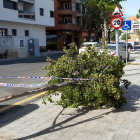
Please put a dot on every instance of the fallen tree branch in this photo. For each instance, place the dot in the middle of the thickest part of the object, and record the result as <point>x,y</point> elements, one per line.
<point>38,90</point>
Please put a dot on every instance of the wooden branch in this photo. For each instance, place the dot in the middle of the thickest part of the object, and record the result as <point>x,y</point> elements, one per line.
<point>38,90</point>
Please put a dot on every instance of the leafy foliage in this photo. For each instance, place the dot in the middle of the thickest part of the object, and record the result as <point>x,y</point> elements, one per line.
<point>105,69</point>
<point>124,36</point>
<point>91,19</point>
<point>106,7</point>
<point>113,35</point>
<point>138,15</point>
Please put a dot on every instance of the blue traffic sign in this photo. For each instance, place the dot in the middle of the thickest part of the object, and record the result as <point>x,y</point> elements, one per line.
<point>126,25</point>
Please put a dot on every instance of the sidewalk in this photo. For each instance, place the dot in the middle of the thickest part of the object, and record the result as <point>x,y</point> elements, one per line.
<point>135,59</point>
<point>37,121</point>
<point>41,54</point>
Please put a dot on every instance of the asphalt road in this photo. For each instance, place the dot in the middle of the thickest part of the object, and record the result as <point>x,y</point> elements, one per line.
<point>31,66</point>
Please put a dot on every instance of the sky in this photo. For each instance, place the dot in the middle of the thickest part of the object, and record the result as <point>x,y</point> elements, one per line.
<point>130,7</point>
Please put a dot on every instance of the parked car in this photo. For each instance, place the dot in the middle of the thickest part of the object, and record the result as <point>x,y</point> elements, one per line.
<point>42,48</point>
<point>129,45</point>
<point>122,51</point>
<point>83,47</point>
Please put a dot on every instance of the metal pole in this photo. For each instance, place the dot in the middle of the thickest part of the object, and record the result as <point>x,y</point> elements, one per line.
<point>117,42</point>
<point>133,41</point>
<point>126,47</point>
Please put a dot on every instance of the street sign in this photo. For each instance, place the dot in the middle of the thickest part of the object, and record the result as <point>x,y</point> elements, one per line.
<point>126,25</point>
<point>116,22</point>
<point>117,12</point>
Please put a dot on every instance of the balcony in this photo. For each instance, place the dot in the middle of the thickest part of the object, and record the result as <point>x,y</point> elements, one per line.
<point>136,26</point>
<point>27,1</point>
<point>62,11</point>
<point>26,14</point>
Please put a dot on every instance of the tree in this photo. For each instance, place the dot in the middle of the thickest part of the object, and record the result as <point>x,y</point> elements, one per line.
<point>138,15</point>
<point>124,37</point>
<point>91,19</point>
<point>113,35</point>
<point>105,71</point>
<point>105,6</point>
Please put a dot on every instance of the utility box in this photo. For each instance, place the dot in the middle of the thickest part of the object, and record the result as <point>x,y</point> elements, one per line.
<point>33,47</point>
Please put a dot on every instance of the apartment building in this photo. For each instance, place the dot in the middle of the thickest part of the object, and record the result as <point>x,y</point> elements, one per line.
<point>135,27</point>
<point>21,20</point>
<point>68,21</point>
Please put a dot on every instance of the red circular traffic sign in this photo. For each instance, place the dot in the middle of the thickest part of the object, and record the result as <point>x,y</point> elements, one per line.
<point>117,22</point>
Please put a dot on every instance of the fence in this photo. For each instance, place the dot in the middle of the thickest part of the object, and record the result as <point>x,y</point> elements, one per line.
<point>9,52</point>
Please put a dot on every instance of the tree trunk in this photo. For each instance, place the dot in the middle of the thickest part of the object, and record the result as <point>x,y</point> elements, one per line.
<point>104,26</point>
<point>89,35</point>
<point>49,87</point>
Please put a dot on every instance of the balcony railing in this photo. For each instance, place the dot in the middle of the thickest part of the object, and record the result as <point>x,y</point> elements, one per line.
<point>135,26</point>
<point>61,8</point>
<point>26,14</point>
<point>65,23</point>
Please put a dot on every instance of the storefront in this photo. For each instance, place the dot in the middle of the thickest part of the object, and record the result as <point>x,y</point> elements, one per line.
<point>85,36</point>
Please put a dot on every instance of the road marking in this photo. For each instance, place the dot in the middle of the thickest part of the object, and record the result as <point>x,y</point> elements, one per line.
<point>20,102</point>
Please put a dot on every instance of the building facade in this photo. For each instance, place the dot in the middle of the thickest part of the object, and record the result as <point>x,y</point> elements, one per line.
<point>68,21</point>
<point>24,19</point>
<point>135,27</point>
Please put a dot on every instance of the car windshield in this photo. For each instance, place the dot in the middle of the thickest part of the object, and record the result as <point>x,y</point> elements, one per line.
<point>111,47</point>
<point>86,44</point>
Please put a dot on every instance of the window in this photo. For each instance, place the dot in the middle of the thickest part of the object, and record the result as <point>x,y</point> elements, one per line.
<point>41,11</point>
<point>14,32</point>
<point>73,6</point>
<point>51,14</point>
<point>10,4</point>
<point>74,21</point>
<point>67,20</point>
<point>21,43</point>
<point>66,5</point>
<point>3,32</point>
<point>26,32</point>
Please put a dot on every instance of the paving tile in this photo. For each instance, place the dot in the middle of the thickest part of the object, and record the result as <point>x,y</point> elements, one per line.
<point>93,136</point>
<point>107,135</point>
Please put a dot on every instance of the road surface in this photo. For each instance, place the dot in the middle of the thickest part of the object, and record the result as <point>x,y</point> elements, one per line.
<point>22,67</point>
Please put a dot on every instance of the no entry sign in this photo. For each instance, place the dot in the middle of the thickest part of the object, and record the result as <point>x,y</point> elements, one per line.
<point>116,22</point>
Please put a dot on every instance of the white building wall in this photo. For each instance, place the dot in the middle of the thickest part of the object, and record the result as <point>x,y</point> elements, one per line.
<point>12,15</point>
<point>47,5</point>
<point>35,31</point>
